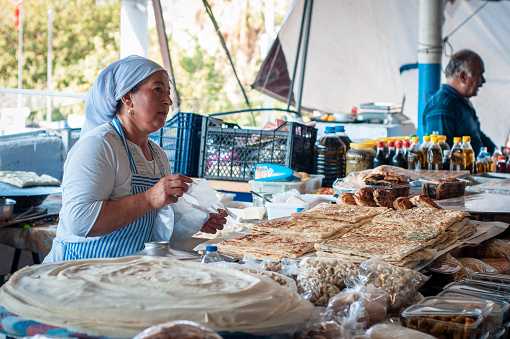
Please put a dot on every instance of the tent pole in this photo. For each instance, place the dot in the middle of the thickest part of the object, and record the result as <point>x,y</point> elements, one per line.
<point>305,53</point>
<point>294,71</point>
<point>429,54</point>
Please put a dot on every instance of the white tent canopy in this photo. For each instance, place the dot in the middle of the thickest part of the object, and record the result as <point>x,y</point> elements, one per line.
<point>357,47</point>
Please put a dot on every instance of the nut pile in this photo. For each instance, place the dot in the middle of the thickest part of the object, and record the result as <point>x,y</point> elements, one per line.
<point>322,278</point>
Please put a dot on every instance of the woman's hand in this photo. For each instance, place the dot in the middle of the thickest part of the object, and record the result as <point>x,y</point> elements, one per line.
<point>168,190</point>
<point>215,222</point>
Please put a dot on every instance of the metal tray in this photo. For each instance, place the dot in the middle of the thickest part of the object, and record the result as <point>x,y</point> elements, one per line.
<point>29,196</point>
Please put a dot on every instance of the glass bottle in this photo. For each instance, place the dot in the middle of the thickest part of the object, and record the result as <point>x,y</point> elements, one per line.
<point>434,155</point>
<point>391,153</point>
<point>425,146</point>
<point>446,160</point>
<point>415,155</point>
<point>211,255</point>
<point>330,157</point>
<point>379,154</point>
<point>457,156</point>
<point>399,159</point>
<point>488,158</point>
<point>340,132</point>
<point>406,147</point>
<point>501,164</point>
<point>481,164</point>
<point>495,156</point>
<point>442,143</point>
<point>469,154</point>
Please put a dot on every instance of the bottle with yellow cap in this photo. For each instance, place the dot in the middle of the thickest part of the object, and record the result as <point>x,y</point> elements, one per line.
<point>415,155</point>
<point>457,156</point>
<point>469,154</point>
<point>434,155</point>
<point>425,146</point>
<point>442,143</point>
<point>359,157</point>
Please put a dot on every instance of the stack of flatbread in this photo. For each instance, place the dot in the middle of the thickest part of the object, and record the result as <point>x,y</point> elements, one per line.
<point>277,239</point>
<point>403,237</point>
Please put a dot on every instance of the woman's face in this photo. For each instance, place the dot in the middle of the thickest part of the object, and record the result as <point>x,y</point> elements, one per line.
<point>151,103</point>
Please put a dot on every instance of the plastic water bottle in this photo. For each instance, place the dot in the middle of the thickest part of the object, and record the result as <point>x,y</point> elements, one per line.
<point>211,255</point>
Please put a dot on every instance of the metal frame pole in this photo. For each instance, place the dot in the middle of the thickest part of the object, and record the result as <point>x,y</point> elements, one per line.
<point>305,53</point>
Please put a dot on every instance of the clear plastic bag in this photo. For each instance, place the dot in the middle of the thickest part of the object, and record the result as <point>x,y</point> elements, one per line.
<point>476,265</point>
<point>385,331</point>
<point>492,248</point>
<point>364,305</point>
<point>319,278</point>
<point>401,284</point>
<point>254,268</point>
<point>181,329</point>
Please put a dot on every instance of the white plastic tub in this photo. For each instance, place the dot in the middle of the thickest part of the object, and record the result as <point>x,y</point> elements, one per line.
<point>306,186</point>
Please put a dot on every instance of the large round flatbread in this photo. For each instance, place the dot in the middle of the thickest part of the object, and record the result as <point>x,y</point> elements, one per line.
<point>123,296</point>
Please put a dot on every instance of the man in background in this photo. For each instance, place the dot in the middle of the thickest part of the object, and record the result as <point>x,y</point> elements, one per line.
<point>449,111</point>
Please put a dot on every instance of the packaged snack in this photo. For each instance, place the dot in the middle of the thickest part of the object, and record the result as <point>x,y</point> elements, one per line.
<point>476,265</point>
<point>401,284</point>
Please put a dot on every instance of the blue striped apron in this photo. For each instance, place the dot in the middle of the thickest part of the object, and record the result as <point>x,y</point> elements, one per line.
<point>130,238</point>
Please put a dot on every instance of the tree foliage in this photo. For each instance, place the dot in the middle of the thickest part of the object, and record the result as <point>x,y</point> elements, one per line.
<point>85,38</point>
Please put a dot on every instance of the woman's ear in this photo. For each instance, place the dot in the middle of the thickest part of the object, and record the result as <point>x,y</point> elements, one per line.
<point>127,100</point>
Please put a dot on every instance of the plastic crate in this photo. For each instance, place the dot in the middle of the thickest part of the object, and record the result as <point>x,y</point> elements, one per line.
<point>179,138</point>
<point>231,153</point>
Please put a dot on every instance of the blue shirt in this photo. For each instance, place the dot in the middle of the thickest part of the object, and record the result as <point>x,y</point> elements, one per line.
<point>452,115</point>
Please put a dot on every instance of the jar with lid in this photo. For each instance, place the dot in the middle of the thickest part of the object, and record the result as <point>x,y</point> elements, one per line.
<point>359,157</point>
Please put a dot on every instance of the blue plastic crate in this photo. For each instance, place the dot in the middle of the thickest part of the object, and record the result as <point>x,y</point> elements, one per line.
<point>180,139</point>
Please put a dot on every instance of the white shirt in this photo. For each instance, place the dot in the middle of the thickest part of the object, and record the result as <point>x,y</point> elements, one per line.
<point>97,169</point>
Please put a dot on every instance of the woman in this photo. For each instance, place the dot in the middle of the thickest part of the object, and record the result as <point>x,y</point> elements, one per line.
<point>115,178</point>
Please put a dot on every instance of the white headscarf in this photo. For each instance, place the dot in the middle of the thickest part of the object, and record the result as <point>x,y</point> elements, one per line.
<point>111,85</point>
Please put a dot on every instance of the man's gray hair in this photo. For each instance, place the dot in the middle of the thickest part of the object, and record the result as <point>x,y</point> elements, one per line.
<point>460,61</point>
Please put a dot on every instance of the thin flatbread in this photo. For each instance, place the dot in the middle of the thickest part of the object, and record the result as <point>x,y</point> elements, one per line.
<point>347,213</point>
<point>267,246</point>
<point>442,219</point>
<point>410,261</point>
<point>371,247</point>
<point>305,227</point>
<point>411,232</point>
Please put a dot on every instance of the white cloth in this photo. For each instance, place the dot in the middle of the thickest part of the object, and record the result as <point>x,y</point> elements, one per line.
<point>97,169</point>
<point>111,85</point>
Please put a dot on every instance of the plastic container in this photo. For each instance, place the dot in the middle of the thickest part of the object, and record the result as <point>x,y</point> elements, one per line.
<point>496,317</point>
<point>491,323</point>
<point>499,334</point>
<point>178,138</point>
<point>211,255</point>
<point>494,277</point>
<point>399,160</point>
<point>279,210</point>
<point>359,158</point>
<point>443,190</point>
<point>445,322</point>
<point>478,291</point>
<point>330,157</point>
<point>229,153</point>
<point>490,285</point>
<point>305,186</point>
<point>434,155</point>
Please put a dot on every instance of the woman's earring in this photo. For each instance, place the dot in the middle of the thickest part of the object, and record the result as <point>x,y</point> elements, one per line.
<point>131,112</point>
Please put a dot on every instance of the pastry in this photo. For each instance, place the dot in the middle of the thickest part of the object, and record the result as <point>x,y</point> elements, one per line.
<point>383,198</point>
<point>403,203</point>
<point>365,197</point>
